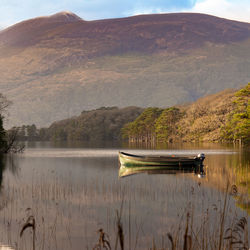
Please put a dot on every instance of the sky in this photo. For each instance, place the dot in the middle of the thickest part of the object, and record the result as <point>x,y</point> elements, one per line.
<point>13,11</point>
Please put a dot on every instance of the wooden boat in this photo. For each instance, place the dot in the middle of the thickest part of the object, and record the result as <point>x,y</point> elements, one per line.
<point>158,161</point>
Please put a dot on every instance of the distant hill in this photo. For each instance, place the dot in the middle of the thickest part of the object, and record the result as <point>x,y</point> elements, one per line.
<point>53,67</point>
<point>102,124</point>
<point>224,116</point>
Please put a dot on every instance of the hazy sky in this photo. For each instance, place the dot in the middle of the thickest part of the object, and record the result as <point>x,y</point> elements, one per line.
<point>13,11</point>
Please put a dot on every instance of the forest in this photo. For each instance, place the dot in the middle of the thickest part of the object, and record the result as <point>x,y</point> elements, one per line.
<point>100,124</point>
<point>221,117</point>
<point>224,116</point>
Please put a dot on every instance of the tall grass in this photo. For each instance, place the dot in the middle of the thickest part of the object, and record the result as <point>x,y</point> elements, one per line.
<point>206,235</point>
<point>66,215</point>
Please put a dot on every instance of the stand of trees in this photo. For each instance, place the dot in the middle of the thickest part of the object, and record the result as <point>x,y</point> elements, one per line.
<point>237,127</point>
<point>223,116</point>
<point>4,103</point>
<point>29,133</point>
<point>101,124</point>
<point>152,125</point>
<point>8,139</point>
<point>2,136</point>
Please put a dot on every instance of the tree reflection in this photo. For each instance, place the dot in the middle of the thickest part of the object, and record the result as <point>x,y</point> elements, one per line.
<point>6,162</point>
<point>2,167</point>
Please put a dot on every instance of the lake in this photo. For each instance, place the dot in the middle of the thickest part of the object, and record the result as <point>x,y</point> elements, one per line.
<point>72,191</point>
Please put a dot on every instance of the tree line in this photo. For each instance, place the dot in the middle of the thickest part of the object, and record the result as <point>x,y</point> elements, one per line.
<point>154,124</point>
<point>220,117</point>
<point>100,124</point>
<point>8,139</point>
<point>237,127</point>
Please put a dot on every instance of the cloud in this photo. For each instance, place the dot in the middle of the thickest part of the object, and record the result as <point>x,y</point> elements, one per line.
<point>231,9</point>
<point>150,7</point>
<point>13,11</point>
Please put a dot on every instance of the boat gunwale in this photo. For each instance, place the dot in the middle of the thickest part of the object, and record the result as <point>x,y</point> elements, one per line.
<point>158,158</point>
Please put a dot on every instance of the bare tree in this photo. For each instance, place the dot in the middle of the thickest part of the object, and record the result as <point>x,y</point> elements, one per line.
<point>12,143</point>
<point>4,104</point>
<point>8,139</point>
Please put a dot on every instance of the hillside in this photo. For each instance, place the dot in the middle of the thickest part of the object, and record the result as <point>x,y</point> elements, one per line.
<point>224,116</point>
<point>102,124</point>
<point>54,67</point>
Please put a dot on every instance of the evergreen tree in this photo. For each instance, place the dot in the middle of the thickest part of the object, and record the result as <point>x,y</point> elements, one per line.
<point>143,127</point>
<point>2,136</point>
<point>238,124</point>
<point>166,125</point>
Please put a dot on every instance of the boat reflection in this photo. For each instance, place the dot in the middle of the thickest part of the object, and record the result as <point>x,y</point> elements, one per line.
<point>6,247</point>
<point>128,171</point>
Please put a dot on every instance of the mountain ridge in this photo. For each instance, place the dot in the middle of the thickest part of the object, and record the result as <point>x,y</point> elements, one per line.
<point>143,29</point>
<point>53,70</point>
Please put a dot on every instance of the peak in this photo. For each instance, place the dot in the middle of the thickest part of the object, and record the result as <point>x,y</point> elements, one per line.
<point>65,16</point>
<point>66,12</point>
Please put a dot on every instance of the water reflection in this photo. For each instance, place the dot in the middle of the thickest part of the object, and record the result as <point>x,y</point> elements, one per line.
<point>2,167</point>
<point>5,247</point>
<point>73,192</point>
<point>8,163</point>
<point>128,171</point>
<point>233,170</point>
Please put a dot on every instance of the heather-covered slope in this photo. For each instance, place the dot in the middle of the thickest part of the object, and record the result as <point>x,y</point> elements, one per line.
<point>224,116</point>
<point>54,67</point>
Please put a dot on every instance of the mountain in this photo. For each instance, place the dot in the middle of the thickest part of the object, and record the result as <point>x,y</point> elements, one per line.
<point>54,67</point>
<point>145,33</point>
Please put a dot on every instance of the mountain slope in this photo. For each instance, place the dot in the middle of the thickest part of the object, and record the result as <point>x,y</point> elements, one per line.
<point>145,33</point>
<point>224,116</point>
<point>54,67</point>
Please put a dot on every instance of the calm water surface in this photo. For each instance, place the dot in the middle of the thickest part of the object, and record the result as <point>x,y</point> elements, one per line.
<point>74,191</point>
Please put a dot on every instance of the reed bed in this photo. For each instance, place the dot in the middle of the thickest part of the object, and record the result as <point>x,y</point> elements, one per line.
<point>142,212</point>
